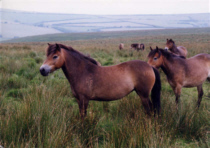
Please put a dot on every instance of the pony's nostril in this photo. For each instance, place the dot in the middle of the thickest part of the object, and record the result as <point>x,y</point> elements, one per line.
<point>45,70</point>
<point>42,70</point>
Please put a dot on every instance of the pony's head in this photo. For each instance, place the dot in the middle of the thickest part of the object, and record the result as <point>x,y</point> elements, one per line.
<point>155,57</point>
<point>55,59</point>
<point>169,44</point>
<point>142,46</point>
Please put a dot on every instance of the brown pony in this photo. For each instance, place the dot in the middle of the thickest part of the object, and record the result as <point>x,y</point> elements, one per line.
<point>137,46</point>
<point>89,81</point>
<point>121,46</point>
<point>180,50</point>
<point>181,72</point>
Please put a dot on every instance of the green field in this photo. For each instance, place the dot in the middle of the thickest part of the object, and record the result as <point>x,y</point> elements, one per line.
<point>37,111</point>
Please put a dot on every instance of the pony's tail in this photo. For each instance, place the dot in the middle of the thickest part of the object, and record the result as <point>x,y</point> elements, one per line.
<point>155,95</point>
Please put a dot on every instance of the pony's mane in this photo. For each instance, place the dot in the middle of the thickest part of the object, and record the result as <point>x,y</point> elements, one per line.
<point>52,49</point>
<point>165,53</point>
<point>168,41</point>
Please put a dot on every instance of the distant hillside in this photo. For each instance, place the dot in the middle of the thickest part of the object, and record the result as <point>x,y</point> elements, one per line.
<point>16,24</point>
<point>110,34</point>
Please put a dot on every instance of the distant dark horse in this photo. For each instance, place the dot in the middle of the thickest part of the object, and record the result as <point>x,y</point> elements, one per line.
<point>137,46</point>
<point>89,81</point>
<point>180,50</point>
<point>181,72</point>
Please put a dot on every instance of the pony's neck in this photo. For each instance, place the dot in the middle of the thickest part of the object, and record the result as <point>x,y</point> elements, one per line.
<point>174,49</point>
<point>74,67</point>
<point>167,67</point>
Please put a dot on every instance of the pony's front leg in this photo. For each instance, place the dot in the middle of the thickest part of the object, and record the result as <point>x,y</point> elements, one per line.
<point>177,91</point>
<point>83,104</point>
<point>200,94</point>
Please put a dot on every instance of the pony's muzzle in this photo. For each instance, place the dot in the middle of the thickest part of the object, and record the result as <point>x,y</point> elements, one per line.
<point>45,70</point>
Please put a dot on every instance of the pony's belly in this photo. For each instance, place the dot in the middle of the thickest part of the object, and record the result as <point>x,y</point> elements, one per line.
<point>114,93</point>
<point>196,78</point>
<point>106,99</point>
<point>112,89</point>
<point>110,96</point>
<point>193,83</point>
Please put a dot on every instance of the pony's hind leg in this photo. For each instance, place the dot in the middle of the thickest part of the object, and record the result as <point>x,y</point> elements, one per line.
<point>200,94</point>
<point>145,102</point>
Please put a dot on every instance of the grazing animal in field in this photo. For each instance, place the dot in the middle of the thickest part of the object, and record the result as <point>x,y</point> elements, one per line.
<point>180,50</point>
<point>89,81</point>
<point>137,46</point>
<point>181,72</point>
<point>121,46</point>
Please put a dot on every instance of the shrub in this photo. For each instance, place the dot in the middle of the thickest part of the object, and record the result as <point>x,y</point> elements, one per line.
<point>25,47</point>
<point>31,62</point>
<point>32,54</point>
<point>16,81</point>
<point>27,73</point>
<point>16,93</point>
<point>38,60</point>
<point>2,68</point>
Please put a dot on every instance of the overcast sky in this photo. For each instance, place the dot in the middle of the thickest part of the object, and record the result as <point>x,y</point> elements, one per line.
<point>110,6</point>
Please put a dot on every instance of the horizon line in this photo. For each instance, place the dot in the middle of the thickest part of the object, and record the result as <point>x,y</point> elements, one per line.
<point>100,14</point>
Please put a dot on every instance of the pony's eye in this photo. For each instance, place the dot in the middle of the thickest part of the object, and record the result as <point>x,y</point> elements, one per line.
<point>155,58</point>
<point>55,57</point>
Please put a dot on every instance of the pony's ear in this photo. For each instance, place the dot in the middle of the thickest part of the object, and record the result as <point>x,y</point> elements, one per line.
<point>58,47</point>
<point>171,41</point>
<point>48,44</point>
<point>157,47</point>
<point>167,39</point>
<point>151,48</point>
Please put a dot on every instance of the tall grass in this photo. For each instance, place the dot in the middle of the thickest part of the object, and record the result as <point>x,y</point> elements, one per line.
<point>41,112</point>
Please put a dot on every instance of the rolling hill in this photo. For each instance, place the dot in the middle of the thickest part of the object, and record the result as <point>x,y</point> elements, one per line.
<point>17,24</point>
<point>110,35</point>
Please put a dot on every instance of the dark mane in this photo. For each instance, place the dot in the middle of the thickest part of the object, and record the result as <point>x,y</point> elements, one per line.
<point>152,53</point>
<point>170,55</point>
<point>165,53</point>
<point>52,49</point>
<point>168,41</point>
